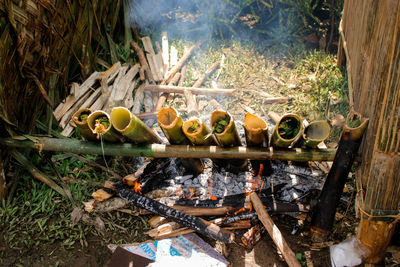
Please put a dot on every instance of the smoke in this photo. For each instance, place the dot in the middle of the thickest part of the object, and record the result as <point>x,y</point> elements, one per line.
<point>199,19</point>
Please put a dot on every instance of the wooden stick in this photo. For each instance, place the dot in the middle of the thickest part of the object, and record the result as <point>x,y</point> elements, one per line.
<point>274,232</point>
<point>143,61</point>
<point>203,211</point>
<point>164,96</point>
<point>193,90</point>
<point>280,99</point>
<point>181,62</point>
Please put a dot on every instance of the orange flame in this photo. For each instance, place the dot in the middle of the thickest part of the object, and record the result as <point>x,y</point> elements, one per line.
<point>210,191</point>
<point>191,193</point>
<point>138,187</point>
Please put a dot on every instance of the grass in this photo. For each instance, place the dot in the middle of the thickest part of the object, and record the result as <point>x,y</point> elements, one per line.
<point>38,217</point>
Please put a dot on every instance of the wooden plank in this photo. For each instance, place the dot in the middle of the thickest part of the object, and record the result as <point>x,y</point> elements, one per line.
<point>193,90</point>
<point>165,52</point>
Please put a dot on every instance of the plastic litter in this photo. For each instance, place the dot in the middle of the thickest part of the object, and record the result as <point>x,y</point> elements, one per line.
<point>348,253</point>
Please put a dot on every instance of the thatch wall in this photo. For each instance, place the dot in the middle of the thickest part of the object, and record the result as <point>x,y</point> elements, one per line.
<point>371,38</point>
<point>44,44</point>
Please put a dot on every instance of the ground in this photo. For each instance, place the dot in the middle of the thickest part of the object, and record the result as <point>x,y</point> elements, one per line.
<point>35,222</point>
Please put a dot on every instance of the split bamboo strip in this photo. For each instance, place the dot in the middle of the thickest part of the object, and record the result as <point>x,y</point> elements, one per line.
<point>165,52</point>
<point>193,90</point>
<point>166,151</point>
<point>133,128</point>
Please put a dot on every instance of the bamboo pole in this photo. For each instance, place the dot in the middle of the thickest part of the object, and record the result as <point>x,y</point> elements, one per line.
<point>166,151</point>
<point>256,131</point>
<point>193,90</point>
<point>80,120</point>
<point>133,128</point>
<point>324,214</point>
<point>274,232</point>
<point>171,124</point>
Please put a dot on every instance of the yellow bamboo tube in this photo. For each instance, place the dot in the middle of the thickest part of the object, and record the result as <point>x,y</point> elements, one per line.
<point>171,124</point>
<point>281,139</point>
<point>132,127</point>
<point>107,132</point>
<point>256,131</point>
<point>315,133</point>
<point>80,120</point>
<point>229,137</point>
<point>198,133</point>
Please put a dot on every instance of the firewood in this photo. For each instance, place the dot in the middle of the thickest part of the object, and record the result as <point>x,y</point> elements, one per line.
<point>238,225</point>
<point>252,236</point>
<point>156,221</point>
<point>108,205</point>
<point>192,222</point>
<point>271,100</point>
<point>101,195</point>
<point>163,229</point>
<point>203,211</point>
<point>274,232</point>
<point>143,61</point>
<point>130,179</point>
<point>193,90</point>
<point>181,62</point>
<point>137,103</point>
<point>163,97</point>
<point>151,59</point>
<point>67,103</point>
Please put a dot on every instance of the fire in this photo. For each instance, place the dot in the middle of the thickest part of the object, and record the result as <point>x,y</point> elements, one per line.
<point>138,187</point>
<point>191,193</point>
<point>255,182</point>
<point>210,191</point>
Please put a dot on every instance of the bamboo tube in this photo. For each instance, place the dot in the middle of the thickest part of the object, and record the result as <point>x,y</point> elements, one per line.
<point>279,139</point>
<point>324,212</point>
<point>229,137</point>
<point>198,133</point>
<point>82,124</point>
<point>315,133</point>
<point>107,132</point>
<point>171,124</point>
<point>133,128</point>
<point>256,131</point>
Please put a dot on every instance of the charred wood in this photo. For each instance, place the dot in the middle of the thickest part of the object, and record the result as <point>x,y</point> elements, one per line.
<point>192,222</point>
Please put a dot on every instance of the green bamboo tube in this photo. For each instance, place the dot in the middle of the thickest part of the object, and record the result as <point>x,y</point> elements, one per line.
<point>229,137</point>
<point>171,124</point>
<point>278,139</point>
<point>132,127</point>
<point>109,134</point>
<point>82,124</point>
<point>198,133</point>
<point>256,131</point>
<point>315,133</point>
<point>166,151</point>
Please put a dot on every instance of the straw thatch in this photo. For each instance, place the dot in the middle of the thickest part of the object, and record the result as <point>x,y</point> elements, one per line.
<point>45,44</point>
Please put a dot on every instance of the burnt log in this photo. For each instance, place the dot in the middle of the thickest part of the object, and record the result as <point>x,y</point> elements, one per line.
<point>192,222</point>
